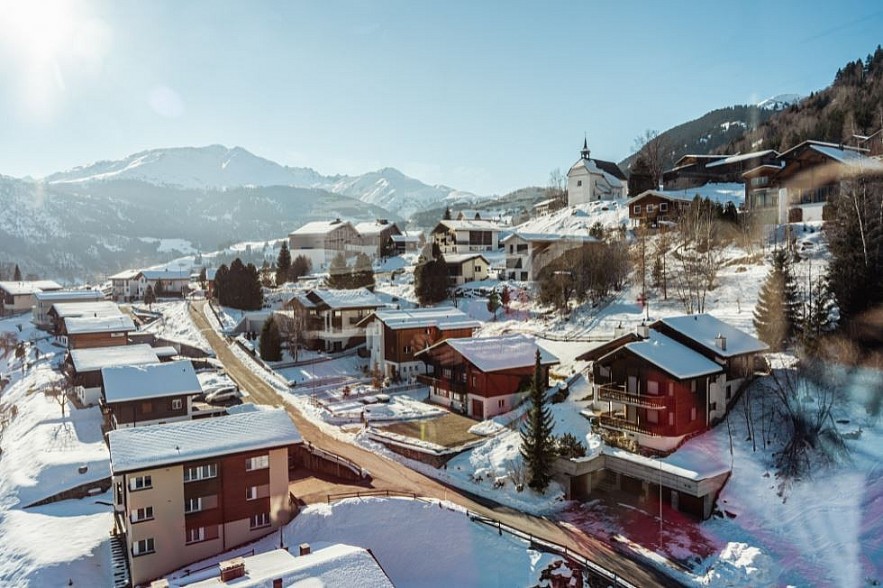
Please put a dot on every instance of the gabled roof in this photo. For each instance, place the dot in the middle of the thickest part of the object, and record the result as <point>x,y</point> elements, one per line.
<point>461,258</point>
<point>767,167</point>
<point>320,227</point>
<point>89,308</point>
<point>493,354</point>
<point>68,295</point>
<point>29,287</point>
<point>548,237</point>
<point>412,318</point>
<point>704,328</point>
<point>140,448</point>
<point>608,169</point>
<point>94,358</point>
<point>125,275</point>
<point>165,274</point>
<point>405,238</point>
<point>670,356</point>
<point>611,168</point>
<point>374,227</point>
<point>79,325</point>
<point>338,299</point>
<point>658,194</point>
<point>741,157</point>
<point>155,380</point>
<point>468,225</point>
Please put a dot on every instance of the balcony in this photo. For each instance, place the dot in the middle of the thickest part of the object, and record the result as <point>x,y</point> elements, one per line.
<point>442,383</point>
<point>618,394</point>
<point>620,424</point>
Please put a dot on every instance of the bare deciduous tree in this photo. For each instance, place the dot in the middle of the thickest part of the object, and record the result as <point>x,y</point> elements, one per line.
<point>654,149</point>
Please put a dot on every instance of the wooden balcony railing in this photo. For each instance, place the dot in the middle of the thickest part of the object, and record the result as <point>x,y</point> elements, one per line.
<point>618,394</point>
<point>618,424</point>
<point>443,383</point>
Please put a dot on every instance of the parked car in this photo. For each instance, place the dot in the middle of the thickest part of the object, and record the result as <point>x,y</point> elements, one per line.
<point>222,394</point>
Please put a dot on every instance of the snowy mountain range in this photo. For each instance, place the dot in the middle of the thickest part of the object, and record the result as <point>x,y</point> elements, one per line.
<point>779,102</point>
<point>217,167</point>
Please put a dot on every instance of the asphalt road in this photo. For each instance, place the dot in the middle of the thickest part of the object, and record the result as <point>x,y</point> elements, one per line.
<point>394,476</point>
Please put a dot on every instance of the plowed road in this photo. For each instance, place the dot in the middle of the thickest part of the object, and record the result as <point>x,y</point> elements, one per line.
<point>392,475</point>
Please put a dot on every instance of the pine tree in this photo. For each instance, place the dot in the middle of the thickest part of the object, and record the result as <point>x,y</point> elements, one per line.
<point>339,274</point>
<point>202,278</point>
<point>505,298</point>
<point>776,315</point>
<point>301,266</point>
<point>16,276</point>
<point>537,441</point>
<point>640,177</point>
<point>447,215</point>
<point>149,296</point>
<point>362,273</point>
<point>817,313</point>
<point>221,287</point>
<point>283,264</point>
<point>431,281</point>
<point>493,303</point>
<point>271,341</point>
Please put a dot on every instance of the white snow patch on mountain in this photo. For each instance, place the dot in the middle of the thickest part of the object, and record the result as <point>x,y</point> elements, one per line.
<point>779,102</point>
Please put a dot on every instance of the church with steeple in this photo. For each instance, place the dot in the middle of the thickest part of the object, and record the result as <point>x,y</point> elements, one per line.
<point>590,180</point>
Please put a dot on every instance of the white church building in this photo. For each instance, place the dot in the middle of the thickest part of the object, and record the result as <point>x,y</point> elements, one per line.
<point>590,180</point>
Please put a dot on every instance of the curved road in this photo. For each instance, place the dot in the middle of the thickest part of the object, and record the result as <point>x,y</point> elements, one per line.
<point>394,476</point>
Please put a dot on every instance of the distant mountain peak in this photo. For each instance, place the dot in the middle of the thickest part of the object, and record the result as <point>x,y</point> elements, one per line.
<point>779,102</point>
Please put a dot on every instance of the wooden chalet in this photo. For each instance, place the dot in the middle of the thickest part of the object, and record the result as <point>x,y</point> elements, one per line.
<point>466,267</point>
<point>83,366</point>
<point>102,331</point>
<point>482,378</point>
<point>652,207</point>
<point>330,319</point>
<point>148,394</point>
<point>466,236</point>
<point>693,171</point>
<point>19,296</point>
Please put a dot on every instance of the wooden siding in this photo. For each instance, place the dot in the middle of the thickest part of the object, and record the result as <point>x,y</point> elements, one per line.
<point>133,412</point>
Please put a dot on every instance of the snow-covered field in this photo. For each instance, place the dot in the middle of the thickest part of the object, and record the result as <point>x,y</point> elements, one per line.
<point>176,324</point>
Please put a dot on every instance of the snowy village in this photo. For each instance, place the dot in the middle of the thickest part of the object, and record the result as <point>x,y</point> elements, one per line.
<point>659,372</point>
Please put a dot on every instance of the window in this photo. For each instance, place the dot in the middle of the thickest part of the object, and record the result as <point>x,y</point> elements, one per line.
<point>729,392</point>
<point>501,403</point>
<point>579,182</point>
<point>202,472</point>
<point>663,207</point>
<point>146,407</point>
<point>193,505</point>
<point>260,520</point>
<point>257,463</point>
<point>140,483</point>
<point>196,535</point>
<point>141,514</point>
<point>713,406</point>
<point>692,414</point>
<point>636,209</point>
<point>177,403</point>
<point>651,208</point>
<point>652,416</point>
<point>255,492</point>
<point>406,349</point>
<point>671,419</point>
<point>477,269</point>
<point>143,547</point>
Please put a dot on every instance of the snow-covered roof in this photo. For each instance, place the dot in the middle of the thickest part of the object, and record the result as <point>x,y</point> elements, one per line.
<point>165,351</point>
<point>411,318</point>
<point>592,166</point>
<point>333,565</point>
<point>740,157</point>
<point>88,308</point>
<point>549,237</point>
<point>848,157</point>
<point>94,358</point>
<point>78,325</point>
<point>659,194</point>
<point>319,227</point>
<point>492,354</point>
<point>165,274</point>
<point>140,448</point>
<point>704,329</point>
<point>695,470</point>
<point>30,287</point>
<point>405,238</point>
<point>339,299</point>
<point>715,191</point>
<point>459,258</point>
<point>155,380</point>
<point>125,275</point>
<point>543,203</point>
<point>469,225</point>
<point>69,295</point>
<point>670,356</point>
<point>372,227</point>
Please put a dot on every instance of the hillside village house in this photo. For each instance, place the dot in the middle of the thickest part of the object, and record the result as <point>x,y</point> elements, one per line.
<point>677,380</point>
<point>92,331</point>
<point>484,377</point>
<point>83,366</point>
<point>19,296</point>
<point>375,236</point>
<point>693,171</point>
<point>189,490</point>
<point>466,236</point>
<point>404,243</point>
<point>148,394</point>
<point>164,282</point>
<point>395,336</point>
<point>466,267</point>
<point>125,286</point>
<point>652,207</point>
<point>589,180</point>
<point>330,319</point>
<point>60,311</point>
<point>321,241</point>
<point>528,253</point>
<point>43,302</point>
<point>796,187</point>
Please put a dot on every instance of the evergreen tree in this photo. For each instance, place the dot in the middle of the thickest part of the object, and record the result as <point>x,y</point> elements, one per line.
<point>447,215</point>
<point>493,303</point>
<point>505,298</point>
<point>240,286</point>
<point>362,273</point>
<point>271,341</point>
<point>221,286</point>
<point>301,266</point>
<point>776,315</point>
<point>16,277</point>
<point>149,296</point>
<point>202,278</point>
<point>339,274</point>
<point>431,280</point>
<point>640,177</point>
<point>817,313</point>
<point>537,442</point>
<point>283,264</point>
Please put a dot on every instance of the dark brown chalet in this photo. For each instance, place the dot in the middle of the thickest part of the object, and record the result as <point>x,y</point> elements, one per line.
<point>149,394</point>
<point>693,171</point>
<point>83,366</point>
<point>483,377</point>
<point>395,336</point>
<point>652,207</point>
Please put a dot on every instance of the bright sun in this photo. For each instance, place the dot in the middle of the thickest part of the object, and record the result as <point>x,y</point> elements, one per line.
<point>39,30</point>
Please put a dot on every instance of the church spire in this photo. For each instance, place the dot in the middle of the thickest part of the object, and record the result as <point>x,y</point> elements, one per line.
<point>585,151</point>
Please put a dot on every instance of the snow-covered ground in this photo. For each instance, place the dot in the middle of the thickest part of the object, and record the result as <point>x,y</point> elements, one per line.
<point>176,324</point>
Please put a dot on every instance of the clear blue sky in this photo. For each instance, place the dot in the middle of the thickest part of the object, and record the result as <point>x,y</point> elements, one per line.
<point>479,95</point>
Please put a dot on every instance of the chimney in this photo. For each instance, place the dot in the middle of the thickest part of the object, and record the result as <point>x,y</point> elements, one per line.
<point>232,569</point>
<point>643,330</point>
<point>619,331</point>
<point>304,549</point>
<point>721,342</point>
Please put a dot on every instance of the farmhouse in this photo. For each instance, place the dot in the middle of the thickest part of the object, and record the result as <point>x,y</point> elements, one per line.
<point>149,394</point>
<point>330,319</point>
<point>189,490</point>
<point>483,377</point>
<point>395,336</point>
<point>19,296</point>
<point>652,207</point>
